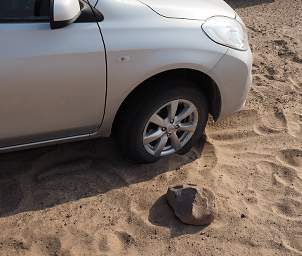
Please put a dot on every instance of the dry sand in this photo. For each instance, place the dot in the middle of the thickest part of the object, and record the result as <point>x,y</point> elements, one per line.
<point>83,199</point>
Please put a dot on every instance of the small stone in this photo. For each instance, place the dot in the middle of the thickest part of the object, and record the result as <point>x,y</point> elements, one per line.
<point>243,216</point>
<point>191,204</point>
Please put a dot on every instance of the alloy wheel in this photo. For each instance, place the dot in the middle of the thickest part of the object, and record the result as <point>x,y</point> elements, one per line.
<point>170,128</point>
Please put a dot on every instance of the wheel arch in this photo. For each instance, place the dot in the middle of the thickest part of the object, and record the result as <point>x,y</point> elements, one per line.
<point>202,81</point>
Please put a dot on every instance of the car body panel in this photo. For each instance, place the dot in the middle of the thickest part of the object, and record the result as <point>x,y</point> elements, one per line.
<point>190,9</point>
<point>53,82</point>
<point>70,85</point>
<point>233,75</point>
<point>139,50</point>
<point>93,2</point>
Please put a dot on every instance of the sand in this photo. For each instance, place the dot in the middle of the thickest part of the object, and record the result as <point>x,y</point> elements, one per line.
<point>84,199</point>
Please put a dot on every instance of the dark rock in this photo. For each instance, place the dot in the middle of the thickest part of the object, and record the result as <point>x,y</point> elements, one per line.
<point>191,204</point>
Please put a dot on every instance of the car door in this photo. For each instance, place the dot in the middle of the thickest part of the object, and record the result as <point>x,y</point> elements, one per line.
<point>52,82</point>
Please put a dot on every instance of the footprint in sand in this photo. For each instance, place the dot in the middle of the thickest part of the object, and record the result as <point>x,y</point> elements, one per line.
<point>286,176</point>
<point>282,176</point>
<point>292,158</point>
<point>293,243</point>
<point>271,123</point>
<point>281,189</point>
<point>48,245</point>
<point>60,162</point>
<point>120,243</point>
<point>288,208</point>
<point>12,246</point>
<point>67,242</point>
<point>294,124</point>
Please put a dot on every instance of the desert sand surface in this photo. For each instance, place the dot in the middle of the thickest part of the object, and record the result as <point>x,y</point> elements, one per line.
<point>84,199</point>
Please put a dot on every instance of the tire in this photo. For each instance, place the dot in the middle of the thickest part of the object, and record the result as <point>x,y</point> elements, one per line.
<point>133,123</point>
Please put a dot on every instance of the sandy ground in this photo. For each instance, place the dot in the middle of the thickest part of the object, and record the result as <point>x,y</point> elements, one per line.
<point>83,199</point>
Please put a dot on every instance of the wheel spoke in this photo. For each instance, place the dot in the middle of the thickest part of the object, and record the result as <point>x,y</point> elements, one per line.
<point>162,143</point>
<point>156,119</point>
<point>188,127</point>
<point>185,113</point>
<point>175,141</point>
<point>153,136</point>
<point>172,109</point>
<point>170,127</point>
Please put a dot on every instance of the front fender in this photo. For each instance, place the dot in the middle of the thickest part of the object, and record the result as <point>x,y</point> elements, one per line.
<point>138,50</point>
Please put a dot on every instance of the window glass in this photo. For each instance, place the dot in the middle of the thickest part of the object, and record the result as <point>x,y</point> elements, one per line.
<point>24,9</point>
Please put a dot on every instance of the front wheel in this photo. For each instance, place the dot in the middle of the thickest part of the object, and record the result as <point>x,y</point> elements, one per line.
<point>164,121</point>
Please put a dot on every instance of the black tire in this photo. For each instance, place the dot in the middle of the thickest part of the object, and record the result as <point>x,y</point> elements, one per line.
<point>132,121</point>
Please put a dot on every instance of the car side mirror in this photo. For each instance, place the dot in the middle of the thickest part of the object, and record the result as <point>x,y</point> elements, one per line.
<point>63,12</point>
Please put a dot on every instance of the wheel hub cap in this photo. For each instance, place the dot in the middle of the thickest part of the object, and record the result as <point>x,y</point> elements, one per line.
<point>170,127</point>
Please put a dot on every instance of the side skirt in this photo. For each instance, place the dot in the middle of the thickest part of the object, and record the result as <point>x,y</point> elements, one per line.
<point>48,142</point>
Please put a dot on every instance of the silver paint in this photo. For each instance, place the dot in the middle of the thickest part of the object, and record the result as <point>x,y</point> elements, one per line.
<point>54,82</point>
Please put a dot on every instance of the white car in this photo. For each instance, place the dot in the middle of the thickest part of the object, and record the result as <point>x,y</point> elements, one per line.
<point>148,72</point>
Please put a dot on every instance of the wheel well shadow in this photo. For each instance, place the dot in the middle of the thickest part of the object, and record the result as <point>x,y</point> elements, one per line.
<point>201,80</point>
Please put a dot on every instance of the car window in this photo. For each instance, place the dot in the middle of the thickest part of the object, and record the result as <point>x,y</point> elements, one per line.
<point>24,10</point>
